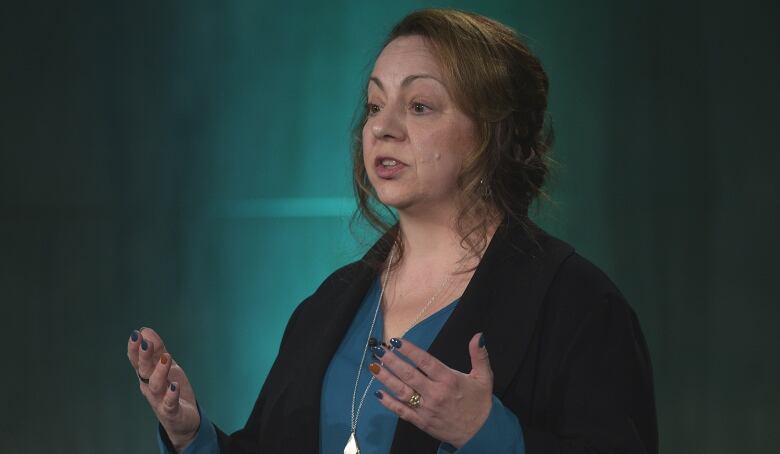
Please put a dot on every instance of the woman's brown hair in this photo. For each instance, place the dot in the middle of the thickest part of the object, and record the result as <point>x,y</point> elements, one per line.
<point>499,83</point>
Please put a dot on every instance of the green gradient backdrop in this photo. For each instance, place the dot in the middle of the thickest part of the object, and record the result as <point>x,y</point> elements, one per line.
<point>185,166</point>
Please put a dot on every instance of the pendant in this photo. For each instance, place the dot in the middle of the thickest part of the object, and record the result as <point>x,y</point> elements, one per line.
<point>352,447</point>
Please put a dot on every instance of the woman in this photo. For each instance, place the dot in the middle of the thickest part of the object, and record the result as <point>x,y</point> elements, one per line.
<point>453,139</point>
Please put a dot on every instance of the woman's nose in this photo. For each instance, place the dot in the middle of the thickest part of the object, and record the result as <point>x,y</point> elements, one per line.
<point>387,125</point>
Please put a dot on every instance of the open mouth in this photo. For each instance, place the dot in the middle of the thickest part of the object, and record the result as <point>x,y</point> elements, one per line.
<point>388,163</point>
<point>388,167</point>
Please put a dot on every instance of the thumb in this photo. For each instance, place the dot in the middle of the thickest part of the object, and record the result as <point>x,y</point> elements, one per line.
<point>170,402</point>
<point>480,362</point>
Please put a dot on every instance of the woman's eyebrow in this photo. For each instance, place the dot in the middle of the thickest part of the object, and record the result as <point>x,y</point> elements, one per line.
<point>407,80</point>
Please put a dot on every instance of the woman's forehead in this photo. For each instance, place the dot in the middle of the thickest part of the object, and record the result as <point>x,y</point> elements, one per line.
<point>405,56</point>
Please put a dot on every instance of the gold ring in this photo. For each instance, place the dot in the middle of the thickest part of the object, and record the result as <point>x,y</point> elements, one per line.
<point>415,401</point>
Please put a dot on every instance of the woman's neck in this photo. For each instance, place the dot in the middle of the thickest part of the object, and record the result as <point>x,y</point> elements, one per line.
<point>434,239</point>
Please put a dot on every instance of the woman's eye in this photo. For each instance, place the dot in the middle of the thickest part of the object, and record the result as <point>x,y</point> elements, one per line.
<point>419,108</point>
<point>371,109</point>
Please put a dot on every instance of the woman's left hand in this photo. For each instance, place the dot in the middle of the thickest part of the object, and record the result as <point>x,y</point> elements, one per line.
<point>453,405</point>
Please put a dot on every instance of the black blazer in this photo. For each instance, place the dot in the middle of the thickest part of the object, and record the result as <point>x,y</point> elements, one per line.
<point>567,353</point>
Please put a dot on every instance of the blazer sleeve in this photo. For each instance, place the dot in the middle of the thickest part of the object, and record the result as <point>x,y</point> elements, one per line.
<point>601,397</point>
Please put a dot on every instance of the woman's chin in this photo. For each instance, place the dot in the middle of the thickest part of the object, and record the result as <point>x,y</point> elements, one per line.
<point>412,205</point>
<point>396,202</point>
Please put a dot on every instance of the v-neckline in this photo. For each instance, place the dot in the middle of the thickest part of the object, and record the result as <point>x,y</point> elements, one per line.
<point>381,316</point>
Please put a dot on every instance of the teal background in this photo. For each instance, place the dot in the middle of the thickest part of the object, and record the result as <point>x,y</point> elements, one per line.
<point>184,165</point>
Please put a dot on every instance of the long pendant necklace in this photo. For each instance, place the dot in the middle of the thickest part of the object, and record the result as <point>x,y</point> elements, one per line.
<point>352,445</point>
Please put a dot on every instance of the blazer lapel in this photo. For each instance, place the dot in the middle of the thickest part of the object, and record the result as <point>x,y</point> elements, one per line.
<point>502,300</point>
<point>334,315</point>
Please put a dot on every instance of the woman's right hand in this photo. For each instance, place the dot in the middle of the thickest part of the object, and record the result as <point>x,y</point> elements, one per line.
<point>168,391</point>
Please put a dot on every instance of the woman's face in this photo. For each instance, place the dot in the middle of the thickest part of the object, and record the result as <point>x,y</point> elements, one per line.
<point>415,138</point>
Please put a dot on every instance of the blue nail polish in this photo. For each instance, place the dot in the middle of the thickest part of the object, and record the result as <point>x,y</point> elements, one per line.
<point>378,351</point>
<point>482,340</point>
<point>134,335</point>
<point>144,345</point>
<point>378,395</point>
<point>173,387</point>
<point>395,342</point>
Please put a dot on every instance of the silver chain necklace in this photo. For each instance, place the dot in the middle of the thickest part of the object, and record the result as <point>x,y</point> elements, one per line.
<point>352,446</point>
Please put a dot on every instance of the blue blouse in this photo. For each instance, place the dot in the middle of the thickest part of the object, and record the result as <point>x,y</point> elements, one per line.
<point>501,433</point>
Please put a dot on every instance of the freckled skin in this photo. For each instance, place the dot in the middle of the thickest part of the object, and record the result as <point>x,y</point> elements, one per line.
<point>433,141</point>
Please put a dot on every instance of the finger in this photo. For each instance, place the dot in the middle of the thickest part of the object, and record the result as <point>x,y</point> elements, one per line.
<point>169,407</point>
<point>133,344</point>
<point>480,361</point>
<point>151,335</point>
<point>158,381</point>
<point>398,387</point>
<point>146,362</point>
<point>427,363</point>
<point>402,372</point>
<point>401,409</point>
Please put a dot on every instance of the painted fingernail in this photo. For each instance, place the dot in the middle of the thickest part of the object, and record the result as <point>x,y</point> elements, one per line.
<point>482,340</point>
<point>374,368</point>
<point>144,345</point>
<point>378,351</point>
<point>395,342</point>
<point>134,335</point>
<point>173,387</point>
<point>378,395</point>
<point>163,359</point>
